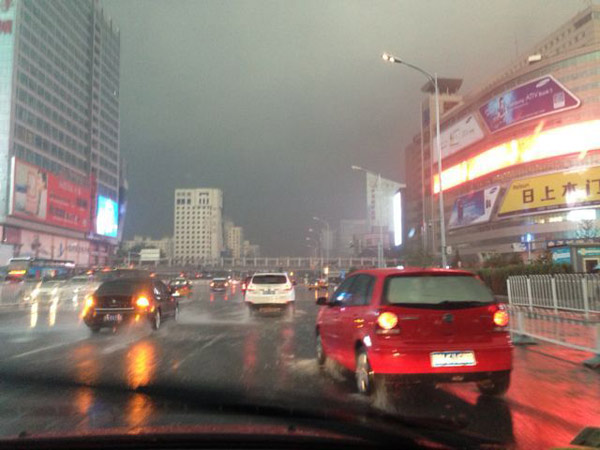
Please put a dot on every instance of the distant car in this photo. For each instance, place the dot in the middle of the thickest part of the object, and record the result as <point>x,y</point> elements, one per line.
<point>219,284</point>
<point>78,288</point>
<point>270,292</point>
<point>180,287</point>
<point>319,284</point>
<point>416,325</point>
<point>129,300</point>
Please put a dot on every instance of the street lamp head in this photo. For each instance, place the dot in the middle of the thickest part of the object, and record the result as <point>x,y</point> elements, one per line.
<point>315,218</point>
<point>390,58</point>
<point>357,168</point>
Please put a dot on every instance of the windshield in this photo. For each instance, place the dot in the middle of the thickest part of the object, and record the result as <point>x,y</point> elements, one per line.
<point>254,216</point>
<point>435,290</point>
<point>269,279</point>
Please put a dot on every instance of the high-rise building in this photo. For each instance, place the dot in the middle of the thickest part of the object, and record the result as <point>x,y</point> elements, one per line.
<point>198,231</point>
<point>59,130</point>
<point>235,241</point>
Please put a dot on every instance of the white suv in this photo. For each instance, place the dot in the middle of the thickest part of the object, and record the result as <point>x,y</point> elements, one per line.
<point>270,292</point>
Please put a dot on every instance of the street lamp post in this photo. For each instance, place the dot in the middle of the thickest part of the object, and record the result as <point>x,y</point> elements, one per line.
<point>328,243</point>
<point>433,78</point>
<point>380,256</point>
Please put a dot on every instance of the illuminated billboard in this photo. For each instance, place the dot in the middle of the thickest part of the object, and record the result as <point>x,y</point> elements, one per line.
<point>536,98</point>
<point>397,211</point>
<point>553,191</point>
<point>457,136</point>
<point>575,138</point>
<point>40,195</point>
<point>473,208</point>
<point>107,217</point>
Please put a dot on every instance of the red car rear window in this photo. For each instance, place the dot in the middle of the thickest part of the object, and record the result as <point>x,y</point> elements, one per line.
<point>436,291</point>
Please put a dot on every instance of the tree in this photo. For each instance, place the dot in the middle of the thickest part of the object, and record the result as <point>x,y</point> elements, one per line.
<point>587,230</point>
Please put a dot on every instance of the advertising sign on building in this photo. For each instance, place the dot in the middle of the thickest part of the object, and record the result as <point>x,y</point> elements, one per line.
<point>379,201</point>
<point>550,192</point>
<point>150,254</point>
<point>458,136</point>
<point>531,100</point>
<point>561,255</point>
<point>7,50</point>
<point>45,197</point>
<point>107,217</point>
<point>473,208</point>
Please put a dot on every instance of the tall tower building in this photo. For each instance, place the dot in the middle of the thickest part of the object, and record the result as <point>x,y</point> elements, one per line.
<point>59,130</point>
<point>198,231</point>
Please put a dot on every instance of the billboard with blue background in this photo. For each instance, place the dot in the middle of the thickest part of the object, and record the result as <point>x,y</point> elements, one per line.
<point>107,217</point>
<point>533,99</point>
<point>473,208</point>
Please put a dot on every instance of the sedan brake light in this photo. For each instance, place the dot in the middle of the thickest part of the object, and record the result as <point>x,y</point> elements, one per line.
<point>142,302</point>
<point>251,287</point>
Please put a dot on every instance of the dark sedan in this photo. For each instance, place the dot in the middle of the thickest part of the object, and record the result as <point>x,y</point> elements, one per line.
<point>121,301</point>
<point>219,284</point>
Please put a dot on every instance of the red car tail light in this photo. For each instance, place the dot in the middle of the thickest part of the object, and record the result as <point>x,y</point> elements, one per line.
<point>500,316</point>
<point>387,323</point>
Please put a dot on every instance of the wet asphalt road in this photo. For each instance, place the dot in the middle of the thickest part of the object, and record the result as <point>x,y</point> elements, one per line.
<point>47,358</point>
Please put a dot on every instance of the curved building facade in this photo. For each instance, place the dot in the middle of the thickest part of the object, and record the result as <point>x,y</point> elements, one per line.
<point>520,157</point>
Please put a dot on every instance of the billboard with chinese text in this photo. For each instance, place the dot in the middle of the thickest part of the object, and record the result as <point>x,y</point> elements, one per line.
<point>40,195</point>
<point>379,201</point>
<point>551,192</point>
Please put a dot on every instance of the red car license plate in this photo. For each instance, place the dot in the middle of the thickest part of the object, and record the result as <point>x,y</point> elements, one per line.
<point>453,359</point>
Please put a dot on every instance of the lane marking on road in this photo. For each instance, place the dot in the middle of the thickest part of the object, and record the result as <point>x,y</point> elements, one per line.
<point>213,341</point>
<point>43,349</point>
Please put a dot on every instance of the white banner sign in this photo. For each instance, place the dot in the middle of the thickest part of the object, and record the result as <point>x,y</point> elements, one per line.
<point>458,136</point>
<point>379,201</point>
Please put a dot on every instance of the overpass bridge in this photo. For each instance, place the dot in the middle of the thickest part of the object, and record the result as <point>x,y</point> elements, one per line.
<point>286,263</point>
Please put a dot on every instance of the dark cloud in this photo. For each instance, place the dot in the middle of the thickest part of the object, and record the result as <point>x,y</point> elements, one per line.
<point>272,101</point>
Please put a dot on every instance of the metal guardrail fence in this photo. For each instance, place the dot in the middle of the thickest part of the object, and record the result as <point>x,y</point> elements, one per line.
<point>567,329</point>
<point>562,309</point>
<point>559,292</point>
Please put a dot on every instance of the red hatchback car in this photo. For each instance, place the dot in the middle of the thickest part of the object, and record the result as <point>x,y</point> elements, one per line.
<point>416,325</point>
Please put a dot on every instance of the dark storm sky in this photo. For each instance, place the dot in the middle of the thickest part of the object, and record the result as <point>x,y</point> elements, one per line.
<point>273,101</point>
